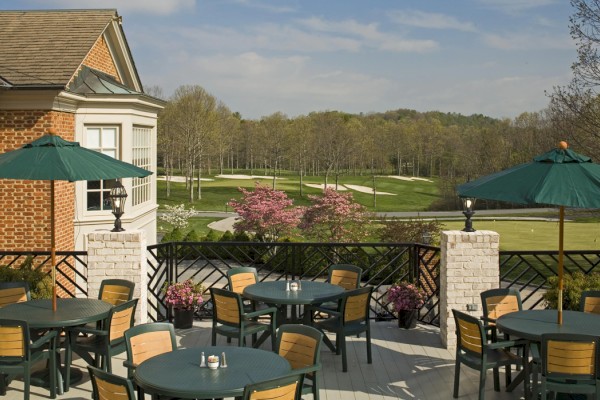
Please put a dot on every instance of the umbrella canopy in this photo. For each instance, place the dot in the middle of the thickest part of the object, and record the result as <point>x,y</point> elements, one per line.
<point>559,177</point>
<point>53,158</point>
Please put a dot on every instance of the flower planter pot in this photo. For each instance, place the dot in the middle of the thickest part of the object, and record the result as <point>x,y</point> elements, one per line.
<point>184,319</point>
<point>407,319</point>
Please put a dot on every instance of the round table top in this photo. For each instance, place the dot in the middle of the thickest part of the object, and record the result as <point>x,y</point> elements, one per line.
<point>178,373</point>
<point>531,324</point>
<point>69,312</point>
<point>312,292</point>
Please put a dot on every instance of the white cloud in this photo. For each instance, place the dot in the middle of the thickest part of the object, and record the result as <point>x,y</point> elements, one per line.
<point>528,40</point>
<point>516,6</point>
<point>422,19</point>
<point>158,7</point>
<point>265,6</point>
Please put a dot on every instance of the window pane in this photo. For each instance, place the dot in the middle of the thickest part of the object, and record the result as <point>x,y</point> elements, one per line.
<point>109,136</point>
<point>93,185</point>
<point>93,138</point>
<point>93,201</point>
<point>106,200</point>
<point>110,153</point>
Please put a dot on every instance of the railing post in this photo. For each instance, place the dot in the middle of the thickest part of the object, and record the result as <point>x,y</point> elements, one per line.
<point>170,263</point>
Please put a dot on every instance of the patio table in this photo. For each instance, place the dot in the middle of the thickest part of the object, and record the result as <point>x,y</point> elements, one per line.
<point>70,312</point>
<point>531,324</point>
<point>274,293</point>
<point>178,373</point>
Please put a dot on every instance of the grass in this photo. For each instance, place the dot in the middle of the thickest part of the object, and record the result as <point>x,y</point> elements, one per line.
<point>199,224</point>
<point>409,196</point>
<point>537,235</point>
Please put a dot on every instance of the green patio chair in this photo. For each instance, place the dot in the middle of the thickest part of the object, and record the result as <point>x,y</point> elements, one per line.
<point>102,343</point>
<point>590,301</point>
<point>106,386</point>
<point>351,319</point>
<point>230,320</point>
<point>283,388</point>
<point>14,292</point>
<point>148,340</point>
<point>570,364</point>
<point>240,277</point>
<point>18,354</point>
<point>347,276</point>
<point>475,351</point>
<point>116,291</point>
<point>301,346</point>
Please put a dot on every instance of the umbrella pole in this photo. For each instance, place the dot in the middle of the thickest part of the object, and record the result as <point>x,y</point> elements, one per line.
<point>561,235</point>
<point>52,246</point>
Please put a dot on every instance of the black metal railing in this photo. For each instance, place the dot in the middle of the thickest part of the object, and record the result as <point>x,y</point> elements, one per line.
<point>71,268</point>
<point>208,262</point>
<point>528,271</point>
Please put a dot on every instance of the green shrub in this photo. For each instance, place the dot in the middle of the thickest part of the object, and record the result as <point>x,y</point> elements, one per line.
<point>40,284</point>
<point>191,236</point>
<point>574,285</point>
<point>211,236</point>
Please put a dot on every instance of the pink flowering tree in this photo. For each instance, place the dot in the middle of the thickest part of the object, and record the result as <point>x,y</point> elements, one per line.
<point>266,212</point>
<point>335,217</point>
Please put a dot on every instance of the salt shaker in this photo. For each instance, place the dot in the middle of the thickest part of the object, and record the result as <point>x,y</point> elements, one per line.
<point>299,284</point>
<point>223,360</point>
<point>287,286</point>
<point>202,360</point>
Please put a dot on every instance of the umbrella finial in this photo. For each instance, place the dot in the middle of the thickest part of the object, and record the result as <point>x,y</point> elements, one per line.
<point>52,131</point>
<point>563,145</point>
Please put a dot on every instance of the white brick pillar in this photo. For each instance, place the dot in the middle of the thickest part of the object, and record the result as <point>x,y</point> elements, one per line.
<point>470,264</point>
<point>119,255</point>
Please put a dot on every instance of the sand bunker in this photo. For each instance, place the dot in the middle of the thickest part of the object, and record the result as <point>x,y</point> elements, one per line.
<point>408,178</point>
<point>246,177</point>
<point>321,186</point>
<point>180,179</point>
<point>366,189</point>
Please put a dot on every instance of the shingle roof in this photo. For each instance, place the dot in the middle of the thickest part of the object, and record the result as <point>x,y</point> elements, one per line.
<point>46,47</point>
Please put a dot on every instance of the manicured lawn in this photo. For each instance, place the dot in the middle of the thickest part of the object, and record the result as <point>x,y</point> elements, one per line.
<point>537,235</point>
<point>199,224</point>
<point>408,196</point>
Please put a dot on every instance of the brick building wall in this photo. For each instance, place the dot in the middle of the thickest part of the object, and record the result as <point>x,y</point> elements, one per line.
<point>25,205</point>
<point>99,58</point>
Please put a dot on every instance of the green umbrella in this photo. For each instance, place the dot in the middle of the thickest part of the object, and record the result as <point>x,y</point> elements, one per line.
<point>53,158</point>
<point>559,177</point>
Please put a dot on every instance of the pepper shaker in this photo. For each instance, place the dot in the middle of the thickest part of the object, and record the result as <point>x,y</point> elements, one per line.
<point>202,360</point>
<point>223,360</point>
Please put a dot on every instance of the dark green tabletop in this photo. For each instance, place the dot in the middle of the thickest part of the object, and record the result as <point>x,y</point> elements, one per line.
<point>69,312</point>
<point>312,292</point>
<point>531,324</point>
<point>178,373</point>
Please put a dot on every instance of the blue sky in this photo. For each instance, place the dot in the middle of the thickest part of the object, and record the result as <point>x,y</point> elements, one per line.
<point>491,57</point>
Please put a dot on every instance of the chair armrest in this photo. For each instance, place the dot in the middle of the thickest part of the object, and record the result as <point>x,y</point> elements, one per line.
<point>506,343</point>
<point>326,311</point>
<point>535,352</point>
<point>253,314</point>
<point>91,331</point>
<point>44,339</point>
<point>129,365</point>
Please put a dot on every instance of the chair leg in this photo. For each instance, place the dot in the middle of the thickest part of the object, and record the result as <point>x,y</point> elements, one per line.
<point>482,375</point>
<point>108,362</point>
<point>214,337</point>
<point>496,379</point>
<point>52,368</point>
<point>456,377</point>
<point>315,386</point>
<point>27,382</point>
<point>342,340</point>
<point>68,360</point>
<point>369,357</point>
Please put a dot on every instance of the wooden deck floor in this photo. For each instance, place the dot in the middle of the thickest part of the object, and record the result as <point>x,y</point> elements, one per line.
<point>407,364</point>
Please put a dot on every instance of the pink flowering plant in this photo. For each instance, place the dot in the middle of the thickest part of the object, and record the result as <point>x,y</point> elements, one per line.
<point>185,295</point>
<point>406,296</point>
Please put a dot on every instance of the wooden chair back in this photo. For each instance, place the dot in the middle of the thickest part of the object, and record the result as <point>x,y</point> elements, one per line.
<point>227,307</point>
<point>107,386</point>
<point>355,305</point>
<point>241,277</point>
<point>284,388</point>
<point>120,319</point>
<point>300,345</point>
<point>14,292</point>
<point>345,275</point>
<point>14,340</point>
<point>149,340</point>
<point>116,291</point>
<point>590,301</point>
<point>497,302</point>
<point>570,356</point>
<point>469,333</point>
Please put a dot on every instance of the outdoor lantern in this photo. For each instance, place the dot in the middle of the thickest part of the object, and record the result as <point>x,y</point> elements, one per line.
<point>117,197</point>
<point>468,205</point>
